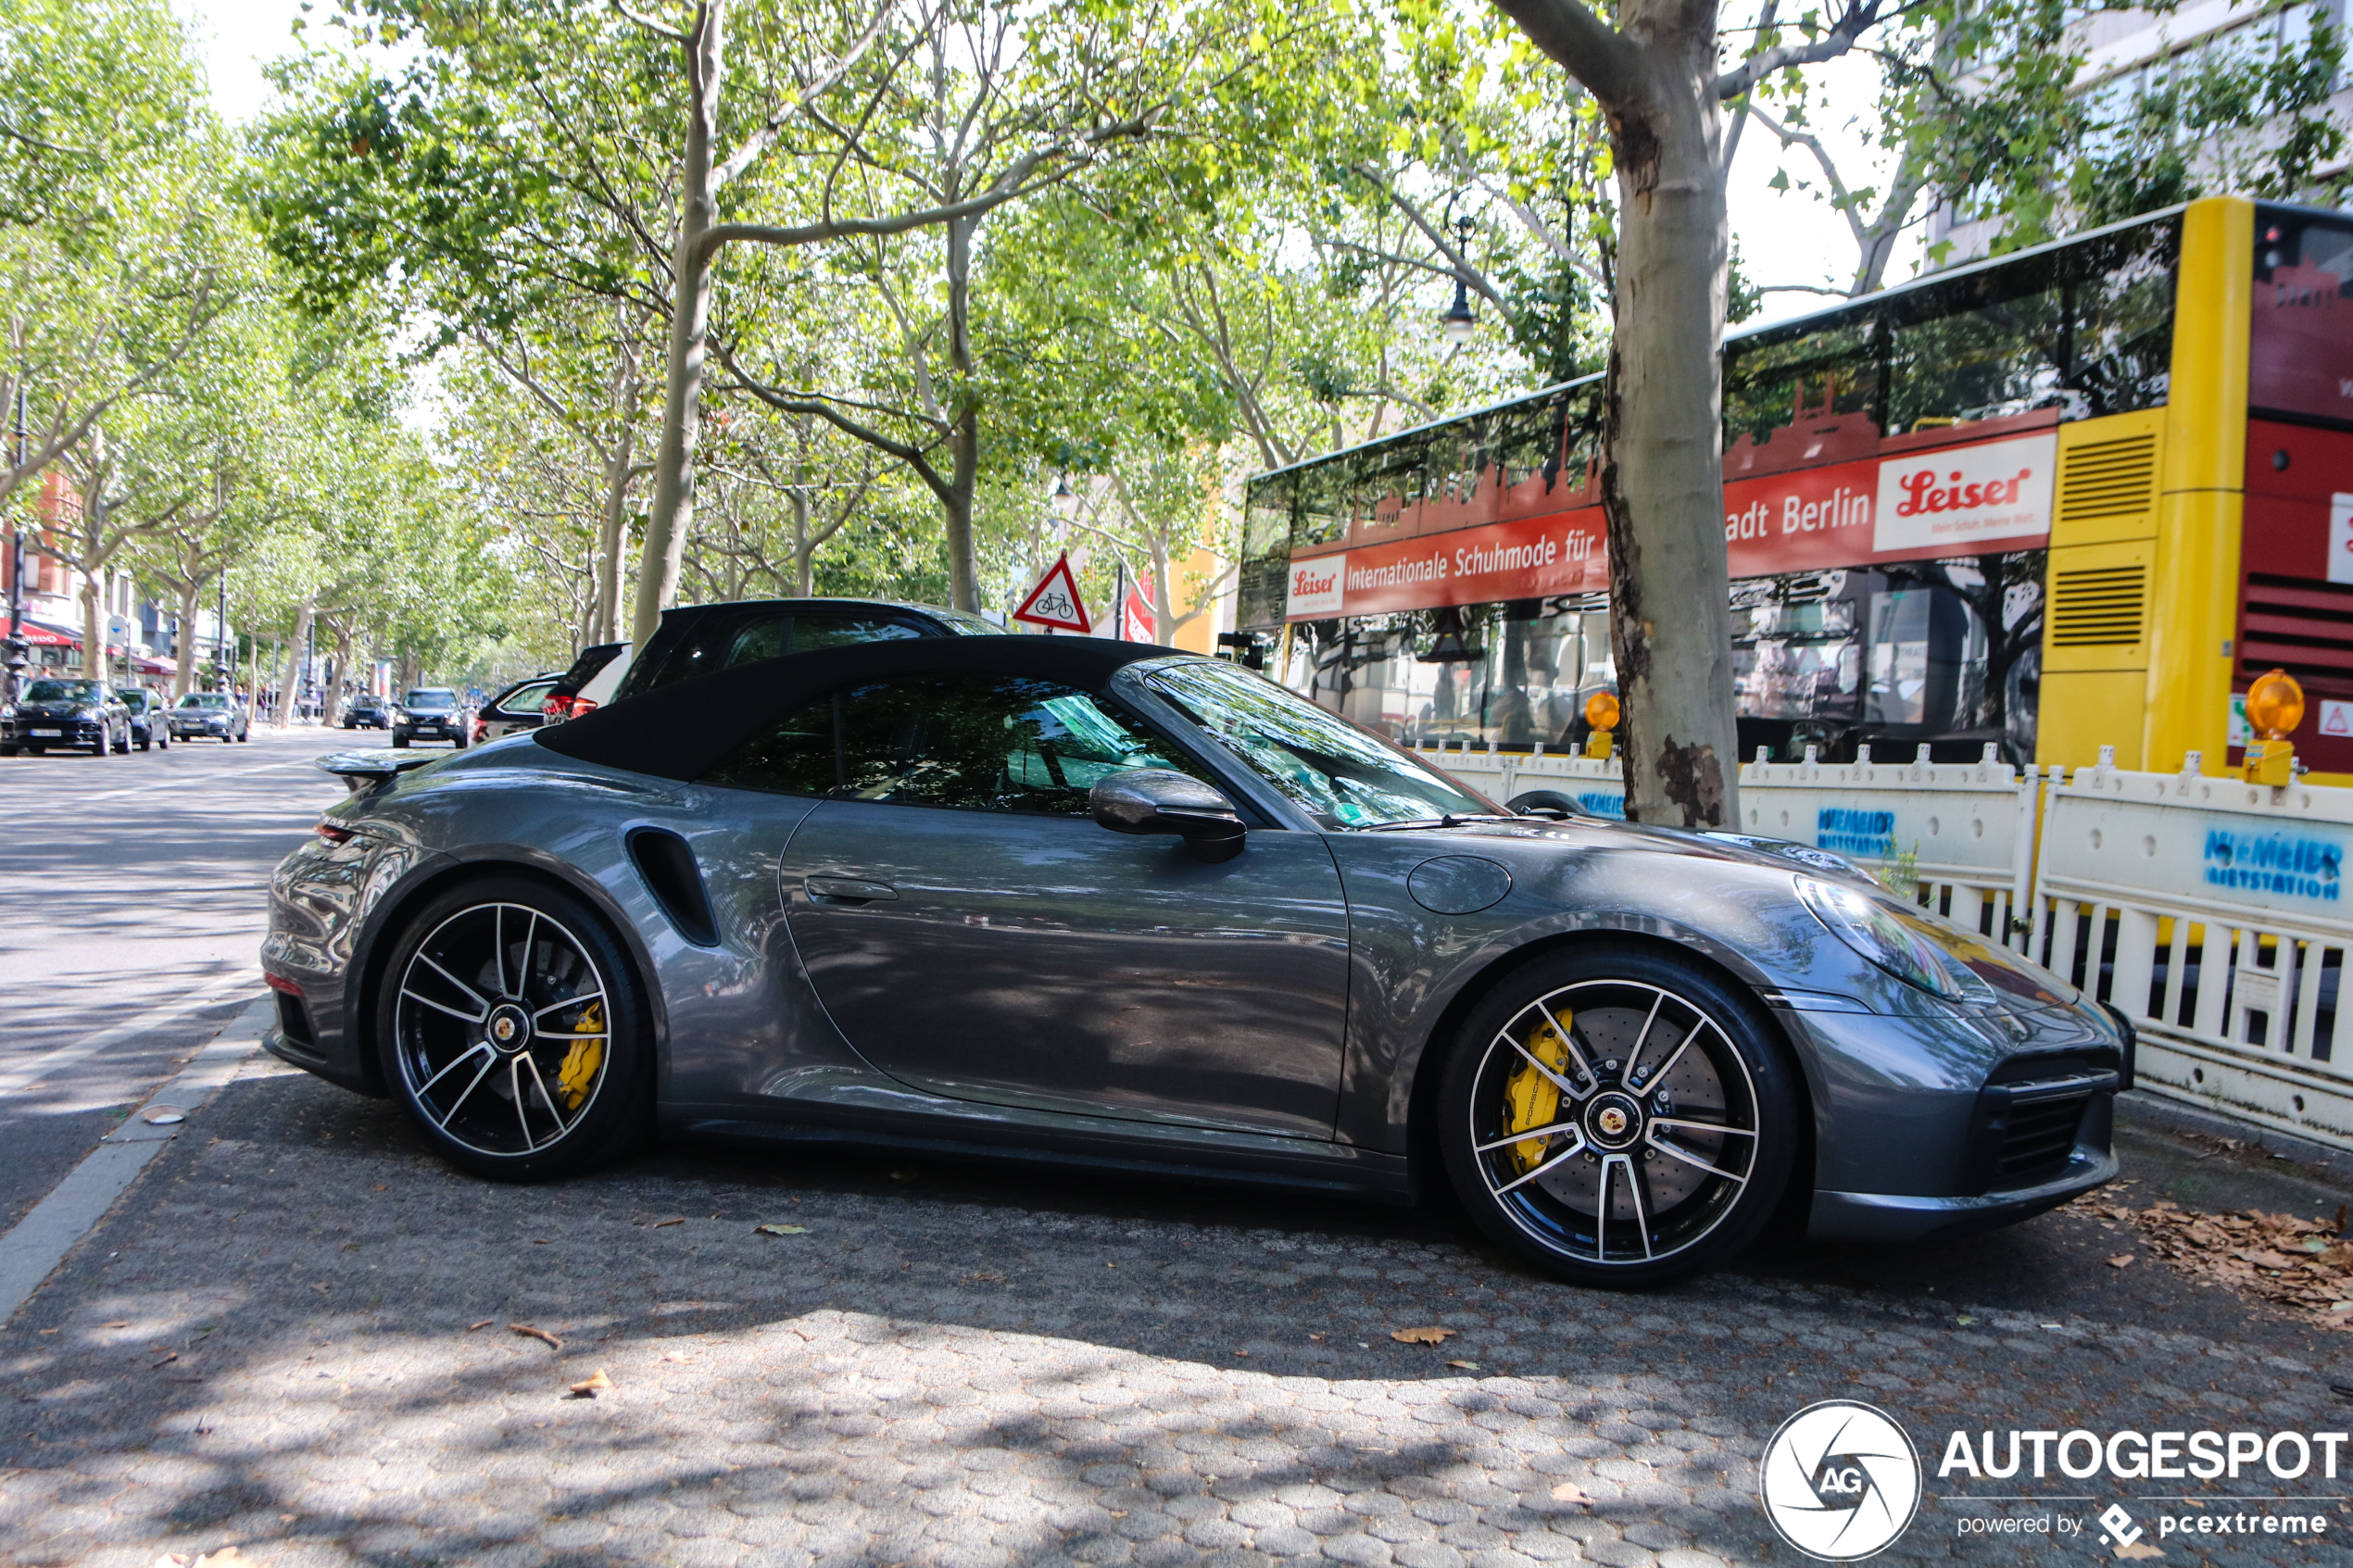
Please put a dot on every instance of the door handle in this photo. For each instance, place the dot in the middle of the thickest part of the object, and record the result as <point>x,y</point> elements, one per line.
<point>848,890</point>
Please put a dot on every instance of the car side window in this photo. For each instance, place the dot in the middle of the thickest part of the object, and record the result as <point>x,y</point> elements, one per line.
<point>780,634</point>
<point>985,743</point>
<point>812,632</point>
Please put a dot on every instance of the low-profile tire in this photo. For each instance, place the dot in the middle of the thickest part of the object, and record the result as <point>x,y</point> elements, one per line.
<point>1618,1116</point>
<point>400,742</point>
<point>105,747</point>
<point>512,1028</point>
<point>145,745</point>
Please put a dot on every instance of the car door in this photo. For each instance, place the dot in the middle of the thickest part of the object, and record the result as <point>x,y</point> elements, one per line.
<point>974,932</point>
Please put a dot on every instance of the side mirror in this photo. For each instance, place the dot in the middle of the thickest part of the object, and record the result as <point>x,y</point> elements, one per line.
<point>1162,800</point>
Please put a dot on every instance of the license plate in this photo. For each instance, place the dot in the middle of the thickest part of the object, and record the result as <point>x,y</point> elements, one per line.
<point>48,734</point>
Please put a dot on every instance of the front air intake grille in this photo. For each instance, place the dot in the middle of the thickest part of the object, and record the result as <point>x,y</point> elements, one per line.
<point>2026,1127</point>
<point>2301,625</point>
<point>2039,1138</point>
<point>2103,607</point>
<point>2108,478</point>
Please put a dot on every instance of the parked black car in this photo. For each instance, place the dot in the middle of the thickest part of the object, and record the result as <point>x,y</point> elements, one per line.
<point>63,713</point>
<point>210,716</point>
<point>367,712</point>
<point>701,639</point>
<point>431,713</point>
<point>521,707</point>
<point>150,730</point>
<point>558,704</point>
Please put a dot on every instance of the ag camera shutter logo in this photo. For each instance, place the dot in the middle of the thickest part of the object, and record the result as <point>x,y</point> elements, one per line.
<point>1840,1480</point>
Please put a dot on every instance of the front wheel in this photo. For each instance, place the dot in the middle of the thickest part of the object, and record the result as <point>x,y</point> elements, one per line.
<point>400,742</point>
<point>1618,1117</point>
<point>513,1033</point>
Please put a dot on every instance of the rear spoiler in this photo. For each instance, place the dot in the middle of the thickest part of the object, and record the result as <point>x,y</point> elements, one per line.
<point>363,771</point>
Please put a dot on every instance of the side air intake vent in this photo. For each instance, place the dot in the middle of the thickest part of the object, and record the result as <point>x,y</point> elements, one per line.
<point>2108,478</point>
<point>668,865</point>
<point>2099,606</point>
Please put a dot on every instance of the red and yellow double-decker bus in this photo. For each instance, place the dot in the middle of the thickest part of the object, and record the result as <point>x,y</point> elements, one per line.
<point>2077,496</point>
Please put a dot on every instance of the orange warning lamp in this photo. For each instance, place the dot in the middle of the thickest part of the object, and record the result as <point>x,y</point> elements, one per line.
<point>1602,712</point>
<point>2274,707</point>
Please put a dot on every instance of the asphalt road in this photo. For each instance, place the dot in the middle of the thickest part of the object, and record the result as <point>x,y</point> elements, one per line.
<point>294,1335</point>
<point>130,887</point>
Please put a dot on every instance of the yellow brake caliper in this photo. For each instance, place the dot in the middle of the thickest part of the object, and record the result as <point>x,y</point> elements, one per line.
<point>1532,1098</point>
<point>581,1062</point>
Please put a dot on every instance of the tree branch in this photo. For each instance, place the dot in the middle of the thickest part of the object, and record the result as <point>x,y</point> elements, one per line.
<point>1604,60</point>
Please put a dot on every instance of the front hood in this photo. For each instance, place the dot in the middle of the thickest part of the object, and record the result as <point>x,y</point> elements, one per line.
<point>1558,864</point>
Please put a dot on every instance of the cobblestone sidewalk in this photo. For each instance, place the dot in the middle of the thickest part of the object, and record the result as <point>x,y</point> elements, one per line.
<point>295,1338</point>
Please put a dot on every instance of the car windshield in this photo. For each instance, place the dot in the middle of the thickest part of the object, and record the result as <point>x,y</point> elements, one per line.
<point>203,700</point>
<point>432,699</point>
<point>62,691</point>
<point>1343,776</point>
<point>135,701</point>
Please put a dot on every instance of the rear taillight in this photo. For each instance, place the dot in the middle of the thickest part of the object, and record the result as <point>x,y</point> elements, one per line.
<point>334,833</point>
<point>280,983</point>
<point>557,707</point>
<point>582,706</point>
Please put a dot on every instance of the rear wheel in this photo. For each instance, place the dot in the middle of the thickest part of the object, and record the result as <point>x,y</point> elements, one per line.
<point>514,1032</point>
<point>1617,1117</point>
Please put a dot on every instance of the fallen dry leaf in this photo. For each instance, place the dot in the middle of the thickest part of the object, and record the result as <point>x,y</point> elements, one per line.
<point>2139,1549</point>
<point>2121,1260</point>
<point>589,1387</point>
<point>1569,1491</point>
<point>539,1334</point>
<point>781,1229</point>
<point>119,1323</point>
<point>1432,1335</point>
<point>1466,1366</point>
<point>2301,1264</point>
<point>661,1224</point>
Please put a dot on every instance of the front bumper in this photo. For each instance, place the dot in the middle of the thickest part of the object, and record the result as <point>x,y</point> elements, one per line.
<point>1940,1123</point>
<point>182,732</point>
<point>24,731</point>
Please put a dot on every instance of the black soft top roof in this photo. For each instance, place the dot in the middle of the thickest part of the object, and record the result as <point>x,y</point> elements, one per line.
<point>683,730</point>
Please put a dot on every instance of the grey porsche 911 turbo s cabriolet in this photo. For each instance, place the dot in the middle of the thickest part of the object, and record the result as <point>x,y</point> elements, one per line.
<point>1100,904</point>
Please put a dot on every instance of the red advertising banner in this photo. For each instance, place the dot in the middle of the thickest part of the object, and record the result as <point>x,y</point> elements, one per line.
<point>1908,505</point>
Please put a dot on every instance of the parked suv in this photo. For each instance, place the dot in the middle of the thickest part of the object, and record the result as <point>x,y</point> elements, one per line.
<point>700,639</point>
<point>210,716</point>
<point>150,729</point>
<point>58,712</point>
<point>431,713</point>
<point>367,712</point>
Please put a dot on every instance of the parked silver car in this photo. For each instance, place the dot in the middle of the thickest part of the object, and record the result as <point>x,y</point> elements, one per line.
<point>1100,904</point>
<point>210,716</point>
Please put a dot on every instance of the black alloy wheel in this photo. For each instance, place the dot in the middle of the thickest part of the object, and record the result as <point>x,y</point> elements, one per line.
<point>514,1032</point>
<point>1618,1117</point>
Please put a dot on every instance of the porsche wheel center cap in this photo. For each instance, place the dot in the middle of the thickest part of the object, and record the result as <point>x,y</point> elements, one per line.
<point>1613,1121</point>
<point>508,1028</point>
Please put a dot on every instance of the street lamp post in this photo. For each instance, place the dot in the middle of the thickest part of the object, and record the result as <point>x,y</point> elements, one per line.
<point>1460,321</point>
<point>13,649</point>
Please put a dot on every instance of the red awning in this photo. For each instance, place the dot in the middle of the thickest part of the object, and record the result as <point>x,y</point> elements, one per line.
<point>42,637</point>
<point>145,666</point>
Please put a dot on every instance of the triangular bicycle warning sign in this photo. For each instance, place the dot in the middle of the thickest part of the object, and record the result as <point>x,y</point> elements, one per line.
<point>1055,601</point>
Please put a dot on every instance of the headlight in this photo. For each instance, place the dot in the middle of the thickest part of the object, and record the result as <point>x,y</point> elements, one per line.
<point>1881,934</point>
